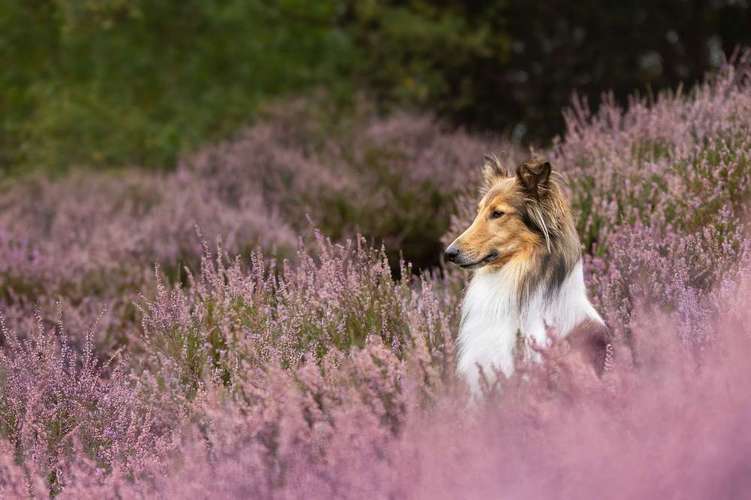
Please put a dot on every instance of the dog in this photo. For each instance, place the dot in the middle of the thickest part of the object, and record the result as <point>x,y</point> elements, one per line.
<point>528,281</point>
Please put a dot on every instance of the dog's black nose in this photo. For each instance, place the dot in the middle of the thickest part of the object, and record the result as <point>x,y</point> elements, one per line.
<point>451,253</point>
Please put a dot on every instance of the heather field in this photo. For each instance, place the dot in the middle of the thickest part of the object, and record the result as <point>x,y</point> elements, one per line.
<point>271,319</point>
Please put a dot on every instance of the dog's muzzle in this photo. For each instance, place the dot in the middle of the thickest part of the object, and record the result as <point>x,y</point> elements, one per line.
<point>453,254</point>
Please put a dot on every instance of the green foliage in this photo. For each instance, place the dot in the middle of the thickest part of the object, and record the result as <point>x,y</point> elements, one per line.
<point>113,82</point>
<point>139,81</point>
<point>420,47</point>
<point>513,64</point>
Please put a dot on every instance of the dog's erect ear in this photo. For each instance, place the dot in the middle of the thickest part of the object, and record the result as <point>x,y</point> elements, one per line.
<point>534,177</point>
<point>492,169</point>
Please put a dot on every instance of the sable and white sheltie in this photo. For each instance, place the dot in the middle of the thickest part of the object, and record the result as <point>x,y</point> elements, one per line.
<point>528,280</point>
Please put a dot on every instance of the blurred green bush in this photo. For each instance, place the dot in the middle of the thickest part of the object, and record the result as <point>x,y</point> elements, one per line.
<point>101,82</point>
<point>512,65</point>
<point>112,82</point>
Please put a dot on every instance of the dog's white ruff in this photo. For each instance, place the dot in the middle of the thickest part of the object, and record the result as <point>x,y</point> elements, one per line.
<point>492,319</point>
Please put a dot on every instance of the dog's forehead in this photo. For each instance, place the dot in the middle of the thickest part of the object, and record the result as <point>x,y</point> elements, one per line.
<point>503,190</point>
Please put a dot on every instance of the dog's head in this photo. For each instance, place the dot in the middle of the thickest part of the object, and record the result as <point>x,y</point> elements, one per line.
<point>511,220</point>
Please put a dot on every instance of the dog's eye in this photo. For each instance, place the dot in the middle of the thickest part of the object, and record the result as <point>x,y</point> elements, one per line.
<point>495,214</point>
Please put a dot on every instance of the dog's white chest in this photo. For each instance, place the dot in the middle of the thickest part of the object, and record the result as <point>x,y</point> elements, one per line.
<point>494,322</point>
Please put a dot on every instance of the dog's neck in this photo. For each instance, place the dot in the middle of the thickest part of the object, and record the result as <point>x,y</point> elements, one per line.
<point>498,315</point>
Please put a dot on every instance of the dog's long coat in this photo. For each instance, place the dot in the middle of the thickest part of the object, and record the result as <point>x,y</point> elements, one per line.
<point>529,281</point>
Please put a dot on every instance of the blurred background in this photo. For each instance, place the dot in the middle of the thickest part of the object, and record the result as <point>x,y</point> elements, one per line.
<point>103,83</point>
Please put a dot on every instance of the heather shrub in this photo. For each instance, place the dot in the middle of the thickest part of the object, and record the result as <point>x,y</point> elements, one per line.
<point>85,224</point>
<point>669,218</point>
<point>58,406</point>
<point>89,234</point>
<point>413,168</point>
<point>273,364</point>
<point>665,269</point>
<point>392,180</point>
<point>679,160</point>
<point>235,319</point>
<point>259,371</point>
<point>665,421</point>
<point>89,240</point>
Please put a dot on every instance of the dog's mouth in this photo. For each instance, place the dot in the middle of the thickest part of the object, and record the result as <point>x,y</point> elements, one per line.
<point>480,263</point>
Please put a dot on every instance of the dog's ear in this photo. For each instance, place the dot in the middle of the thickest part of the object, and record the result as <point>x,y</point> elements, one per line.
<point>534,177</point>
<point>492,170</point>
